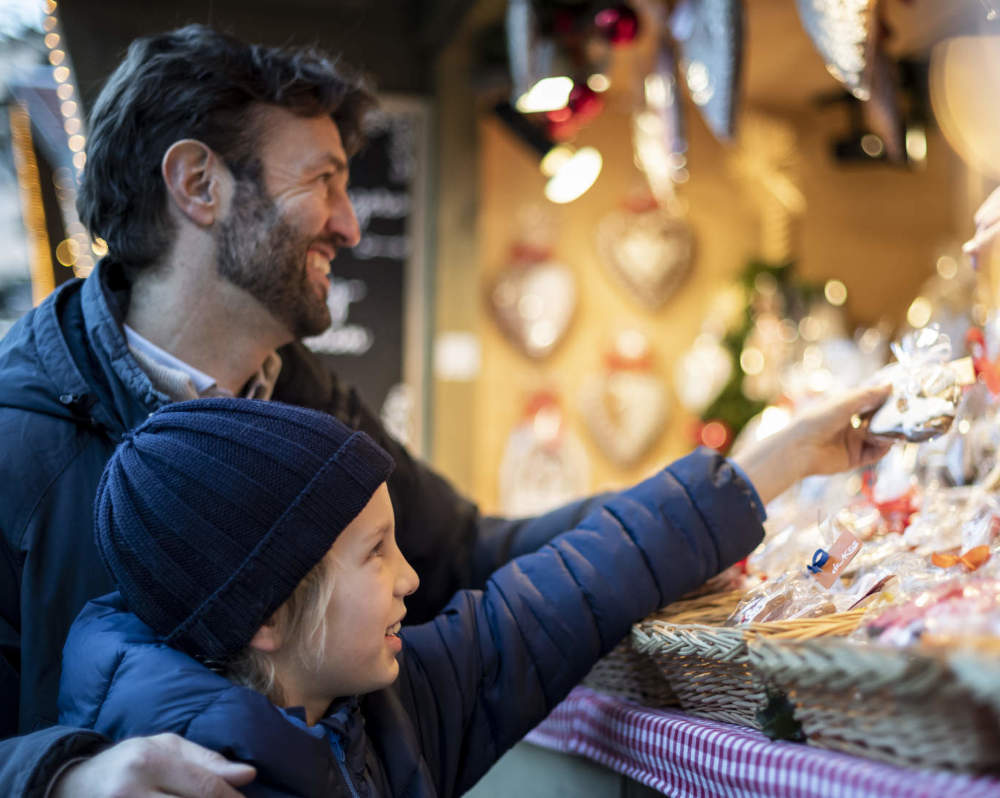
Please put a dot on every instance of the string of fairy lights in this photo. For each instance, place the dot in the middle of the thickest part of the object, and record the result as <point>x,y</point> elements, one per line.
<point>29,183</point>
<point>76,251</point>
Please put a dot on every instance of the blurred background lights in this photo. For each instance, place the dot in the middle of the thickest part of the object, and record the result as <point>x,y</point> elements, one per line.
<point>947,267</point>
<point>714,435</point>
<point>752,361</point>
<point>916,144</point>
<point>872,145</point>
<point>835,292</point>
<point>548,94</point>
<point>574,176</point>
<point>919,312</point>
<point>67,252</point>
<point>599,82</point>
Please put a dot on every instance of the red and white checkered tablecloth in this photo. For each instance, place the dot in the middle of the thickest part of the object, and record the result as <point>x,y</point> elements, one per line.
<point>689,757</point>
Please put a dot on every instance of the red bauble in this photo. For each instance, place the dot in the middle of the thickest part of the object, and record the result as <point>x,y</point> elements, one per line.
<point>618,24</point>
<point>584,102</point>
<point>583,105</point>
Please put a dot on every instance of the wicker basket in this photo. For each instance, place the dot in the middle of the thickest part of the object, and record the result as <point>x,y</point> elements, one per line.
<point>634,676</point>
<point>906,707</point>
<point>626,673</point>
<point>708,666</point>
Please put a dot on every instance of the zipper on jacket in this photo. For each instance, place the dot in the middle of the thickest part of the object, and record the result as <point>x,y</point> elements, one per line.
<point>338,752</point>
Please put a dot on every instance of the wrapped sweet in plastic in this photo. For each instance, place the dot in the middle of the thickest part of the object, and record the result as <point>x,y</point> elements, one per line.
<point>956,609</point>
<point>926,388</point>
<point>793,595</point>
<point>937,525</point>
<point>967,453</point>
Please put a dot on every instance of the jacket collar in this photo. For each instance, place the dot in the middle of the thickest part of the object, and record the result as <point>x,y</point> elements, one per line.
<point>125,396</point>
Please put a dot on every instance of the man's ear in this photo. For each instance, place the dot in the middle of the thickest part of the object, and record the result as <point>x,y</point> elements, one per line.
<point>192,172</point>
<point>268,638</point>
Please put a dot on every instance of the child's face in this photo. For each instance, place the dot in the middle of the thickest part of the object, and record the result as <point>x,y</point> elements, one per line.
<point>371,579</point>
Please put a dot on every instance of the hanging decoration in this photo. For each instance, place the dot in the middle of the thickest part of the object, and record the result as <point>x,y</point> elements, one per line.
<point>846,34</point>
<point>625,406</point>
<point>544,464</point>
<point>881,112</point>
<point>767,160</point>
<point>710,36</point>
<point>649,250</point>
<point>619,24</point>
<point>658,139</point>
<point>534,296</point>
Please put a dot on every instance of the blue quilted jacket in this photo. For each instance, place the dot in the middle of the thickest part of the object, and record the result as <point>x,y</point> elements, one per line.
<point>472,682</point>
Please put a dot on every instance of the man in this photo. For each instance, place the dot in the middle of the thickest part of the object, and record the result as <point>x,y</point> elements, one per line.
<point>217,173</point>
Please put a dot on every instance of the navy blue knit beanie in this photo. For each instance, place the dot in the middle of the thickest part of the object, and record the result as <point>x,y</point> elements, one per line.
<point>210,514</point>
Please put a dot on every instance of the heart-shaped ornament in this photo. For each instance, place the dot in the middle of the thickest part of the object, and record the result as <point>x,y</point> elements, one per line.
<point>533,300</point>
<point>625,412</point>
<point>625,406</point>
<point>544,464</point>
<point>650,252</point>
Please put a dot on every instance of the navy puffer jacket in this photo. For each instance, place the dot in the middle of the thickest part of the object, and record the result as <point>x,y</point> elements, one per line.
<point>472,682</point>
<point>69,389</point>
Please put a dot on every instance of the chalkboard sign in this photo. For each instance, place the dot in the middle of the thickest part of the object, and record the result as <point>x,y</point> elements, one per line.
<point>376,340</point>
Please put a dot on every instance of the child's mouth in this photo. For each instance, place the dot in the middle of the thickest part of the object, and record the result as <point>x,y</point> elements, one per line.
<point>393,630</point>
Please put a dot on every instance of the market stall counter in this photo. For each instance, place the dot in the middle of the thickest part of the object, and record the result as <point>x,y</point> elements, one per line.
<point>688,757</point>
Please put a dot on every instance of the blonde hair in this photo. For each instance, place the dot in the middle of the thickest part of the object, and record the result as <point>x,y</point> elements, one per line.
<point>301,623</point>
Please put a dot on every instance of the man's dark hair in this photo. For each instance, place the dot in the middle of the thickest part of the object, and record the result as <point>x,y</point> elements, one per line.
<point>196,83</point>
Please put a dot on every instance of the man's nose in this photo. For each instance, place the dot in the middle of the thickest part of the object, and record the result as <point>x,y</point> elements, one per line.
<point>343,224</point>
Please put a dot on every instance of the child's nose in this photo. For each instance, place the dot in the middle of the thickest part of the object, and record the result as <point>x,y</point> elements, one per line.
<point>408,581</point>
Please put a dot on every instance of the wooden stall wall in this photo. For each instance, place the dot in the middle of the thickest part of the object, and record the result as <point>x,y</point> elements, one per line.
<point>876,228</point>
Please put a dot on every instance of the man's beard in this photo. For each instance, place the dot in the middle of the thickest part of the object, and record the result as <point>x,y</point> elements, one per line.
<point>265,255</point>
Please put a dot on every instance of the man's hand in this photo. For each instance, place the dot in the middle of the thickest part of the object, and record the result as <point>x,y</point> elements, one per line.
<point>154,766</point>
<point>823,440</point>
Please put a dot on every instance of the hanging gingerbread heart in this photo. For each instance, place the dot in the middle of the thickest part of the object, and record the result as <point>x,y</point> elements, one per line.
<point>544,464</point>
<point>844,32</point>
<point>625,407</point>
<point>702,372</point>
<point>710,35</point>
<point>647,249</point>
<point>533,300</point>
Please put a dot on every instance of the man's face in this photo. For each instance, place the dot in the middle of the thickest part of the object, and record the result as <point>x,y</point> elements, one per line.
<point>284,228</point>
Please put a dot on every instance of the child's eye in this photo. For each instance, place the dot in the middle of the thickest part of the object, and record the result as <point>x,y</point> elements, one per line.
<point>377,551</point>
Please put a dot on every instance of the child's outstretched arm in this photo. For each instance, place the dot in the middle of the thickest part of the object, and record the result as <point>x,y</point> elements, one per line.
<point>489,668</point>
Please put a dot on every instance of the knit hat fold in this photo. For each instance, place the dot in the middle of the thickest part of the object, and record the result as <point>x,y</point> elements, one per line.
<point>212,511</point>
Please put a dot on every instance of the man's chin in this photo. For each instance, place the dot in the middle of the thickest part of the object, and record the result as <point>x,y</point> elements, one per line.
<point>315,324</point>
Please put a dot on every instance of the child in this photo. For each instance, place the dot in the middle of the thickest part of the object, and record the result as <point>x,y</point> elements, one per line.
<point>261,593</point>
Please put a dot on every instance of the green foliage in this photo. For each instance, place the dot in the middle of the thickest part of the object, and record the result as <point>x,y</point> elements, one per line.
<point>732,406</point>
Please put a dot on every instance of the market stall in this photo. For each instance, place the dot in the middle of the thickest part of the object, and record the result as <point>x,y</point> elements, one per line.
<point>686,756</point>
<point>754,243</point>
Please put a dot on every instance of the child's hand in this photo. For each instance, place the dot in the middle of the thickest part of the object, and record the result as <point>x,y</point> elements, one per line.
<point>823,440</point>
<point>154,766</point>
<point>987,220</point>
